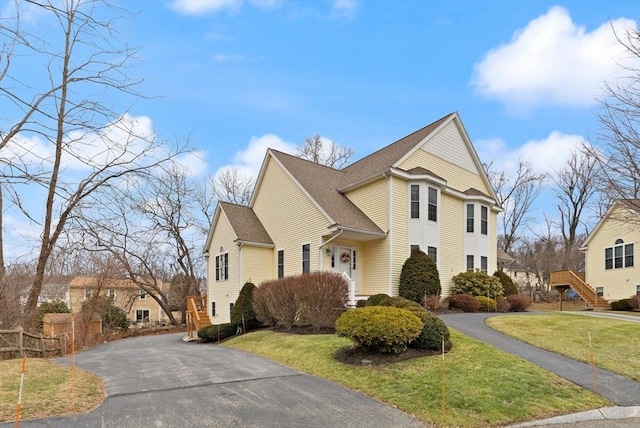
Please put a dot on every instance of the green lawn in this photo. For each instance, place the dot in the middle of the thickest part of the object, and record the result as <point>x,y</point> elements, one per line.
<point>48,390</point>
<point>484,386</point>
<point>615,343</point>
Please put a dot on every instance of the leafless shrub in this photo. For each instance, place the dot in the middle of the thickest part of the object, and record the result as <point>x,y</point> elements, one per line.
<point>321,298</point>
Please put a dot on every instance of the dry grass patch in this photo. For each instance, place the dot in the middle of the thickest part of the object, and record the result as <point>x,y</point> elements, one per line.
<point>615,343</point>
<point>484,386</point>
<point>47,390</point>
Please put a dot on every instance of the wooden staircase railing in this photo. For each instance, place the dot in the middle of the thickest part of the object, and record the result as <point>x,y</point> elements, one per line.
<point>568,278</point>
<point>197,316</point>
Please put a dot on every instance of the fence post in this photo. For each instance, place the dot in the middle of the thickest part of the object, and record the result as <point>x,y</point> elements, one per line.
<point>44,349</point>
<point>20,342</point>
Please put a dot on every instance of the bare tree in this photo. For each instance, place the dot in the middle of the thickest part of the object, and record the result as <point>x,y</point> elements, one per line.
<point>516,194</point>
<point>575,186</point>
<point>318,150</point>
<point>617,148</point>
<point>87,143</point>
<point>233,186</point>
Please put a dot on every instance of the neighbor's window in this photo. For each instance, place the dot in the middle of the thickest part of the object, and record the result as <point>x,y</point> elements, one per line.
<point>484,220</point>
<point>618,256</point>
<point>433,204</point>
<point>415,201</point>
<point>470,217</point>
<point>280,263</point>
<point>469,262</point>
<point>433,253</point>
<point>600,291</point>
<point>143,295</point>
<point>484,264</point>
<point>306,258</point>
<point>142,315</point>
<point>88,293</point>
<point>111,293</point>
<point>222,266</point>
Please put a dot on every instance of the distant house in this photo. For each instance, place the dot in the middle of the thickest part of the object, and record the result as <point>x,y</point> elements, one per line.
<point>140,307</point>
<point>427,190</point>
<point>525,279</point>
<point>612,266</point>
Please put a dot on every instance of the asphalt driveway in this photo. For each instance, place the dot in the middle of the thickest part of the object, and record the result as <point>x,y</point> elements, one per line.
<point>161,381</point>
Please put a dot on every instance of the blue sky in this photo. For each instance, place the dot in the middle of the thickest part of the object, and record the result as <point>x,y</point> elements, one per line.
<point>240,76</point>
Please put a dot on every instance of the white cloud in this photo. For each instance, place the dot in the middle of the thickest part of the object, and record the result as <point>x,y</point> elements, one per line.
<point>248,161</point>
<point>201,7</point>
<point>344,8</point>
<point>545,155</point>
<point>194,163</point>
<point>198,7</point>
<point>552,61</point>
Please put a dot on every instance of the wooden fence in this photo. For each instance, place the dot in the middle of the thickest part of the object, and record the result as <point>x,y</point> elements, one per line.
<point>18,343</point>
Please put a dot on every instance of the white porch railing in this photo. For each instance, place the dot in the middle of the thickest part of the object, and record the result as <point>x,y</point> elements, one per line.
<point>352,290</point>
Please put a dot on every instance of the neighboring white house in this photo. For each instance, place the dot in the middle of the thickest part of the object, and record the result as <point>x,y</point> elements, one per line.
<point>427,190</point>
<point>612,266</point>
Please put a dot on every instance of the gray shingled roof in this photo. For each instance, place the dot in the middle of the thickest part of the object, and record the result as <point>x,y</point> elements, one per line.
<point>322,183</point>
<point>386,157</point>
<point>246,224</point>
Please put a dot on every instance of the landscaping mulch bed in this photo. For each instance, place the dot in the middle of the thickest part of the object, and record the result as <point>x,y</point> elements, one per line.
<point>358,357</point>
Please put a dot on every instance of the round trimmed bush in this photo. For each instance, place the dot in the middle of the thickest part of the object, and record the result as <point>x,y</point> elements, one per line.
<point>432,334</point>
<point>376,299</point>
<point>379,328</point>
<point>464,302</point>
<point>477,283</point>
<point>486,304</point>
<point>410,305</point>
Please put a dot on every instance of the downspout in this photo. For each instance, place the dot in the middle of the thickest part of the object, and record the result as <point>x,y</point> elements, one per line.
<point>340,232</point>
<point>389,229</point>
<point>240,245</point>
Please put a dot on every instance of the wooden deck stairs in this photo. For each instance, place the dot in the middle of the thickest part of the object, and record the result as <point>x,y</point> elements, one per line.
<point>565,279</point>
<point>197,316</point>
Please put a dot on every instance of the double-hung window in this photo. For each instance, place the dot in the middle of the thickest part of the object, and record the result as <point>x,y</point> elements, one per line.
<point>280,263</point>
<point>484,220</point>
<point>432,209</point>
<point>222,266</point>
<point>470,217</point>
<point>484,264</point>
<point>470,265</point>
<point>433,253</point>
<point>415,201</point>
<point>306,258</point>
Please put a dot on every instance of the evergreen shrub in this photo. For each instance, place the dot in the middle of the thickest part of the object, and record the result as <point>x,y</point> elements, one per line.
<point>213,333</point>
<point>375,299</point>
<point>486,304</point>
<point>379,328</point>
<point>621,305</point>
<point>419,277</point>
<point>508,286</point>
<point>477,283</point>
<point>243,314</point>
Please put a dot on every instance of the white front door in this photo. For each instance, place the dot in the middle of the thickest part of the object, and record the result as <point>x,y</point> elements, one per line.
<point>343,262</point>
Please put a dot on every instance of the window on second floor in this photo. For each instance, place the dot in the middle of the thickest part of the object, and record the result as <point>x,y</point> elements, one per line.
<point>415,201</point>
<point>618,256</point>
<point>484,220</point>
<point>143,295</point>
<point>306,258</point>
<point>88,293</point>
<point>222,266</point>
<point>432,210</point>
<point>470,217</point>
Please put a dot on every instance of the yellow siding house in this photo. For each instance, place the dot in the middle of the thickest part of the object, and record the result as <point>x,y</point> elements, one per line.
<point>427,190</point>
<point>611,261</point>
